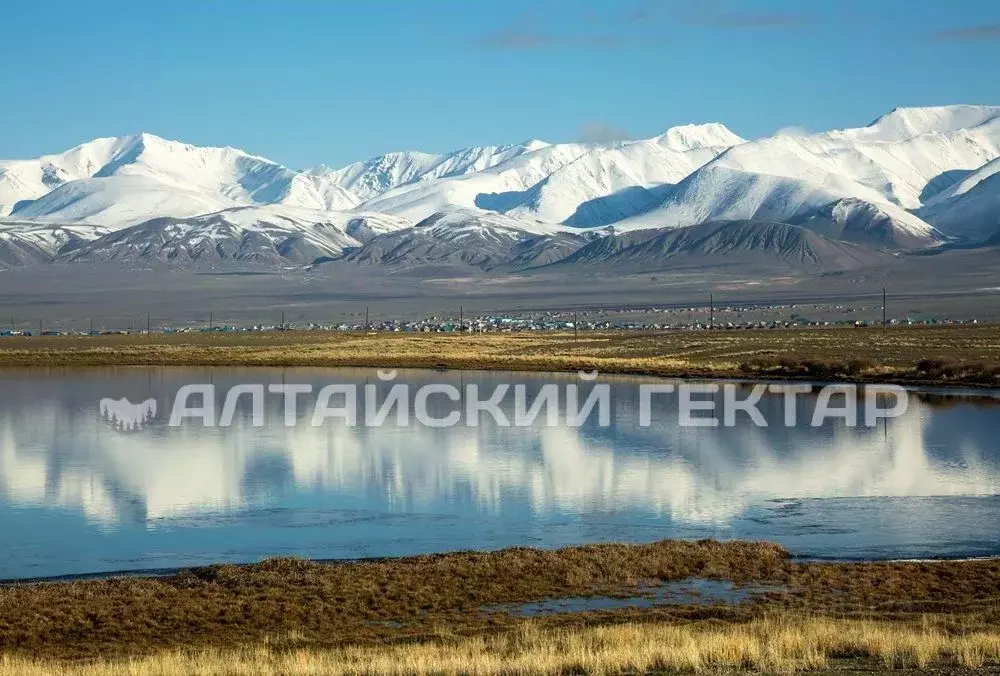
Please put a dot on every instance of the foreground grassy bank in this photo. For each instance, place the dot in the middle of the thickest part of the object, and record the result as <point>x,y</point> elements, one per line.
<point>455,613</point>
<point>945,355</point>
<point>767,645</point>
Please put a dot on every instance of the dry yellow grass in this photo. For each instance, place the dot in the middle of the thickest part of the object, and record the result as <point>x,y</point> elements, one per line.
<point>938,354</point>
<point>769,645</point>
<point>395,601</point>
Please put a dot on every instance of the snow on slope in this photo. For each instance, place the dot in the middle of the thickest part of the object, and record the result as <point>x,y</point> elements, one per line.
<point>967,183</point>
<point>22,180</point>
<point>493,189</point>
<point>457,222</point>
<point>892,161</point>
<point>688,137</point>
<point>972,214</point>
<point>119,201</point>
<point>862,163</point>
<point>551,182</point>
<point>373,177</point>
<point>16,252</point>
<point>271,234</point>
<point>718,193</point>
<point>732,243</point>
<point>126,180</point>
<point>470,237</point>
<point>900,124</point>
<point>881,226</point>
<point>856,184</point>
<point>26,243</point>
<point>576,192</point>
<point>784,177</point>
<point>50,236</point>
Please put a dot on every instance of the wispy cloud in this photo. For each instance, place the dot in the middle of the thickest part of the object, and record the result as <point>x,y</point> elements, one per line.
<point>639,23</point>
<point>642,11</point>
<point>511,39</point>
<point>713,13</point>
<point>527,33</point>
<point>601,132</point>
<point>792,131</point>
<point>759,20</point>
<point>968,33</point>
<point>726,18</point>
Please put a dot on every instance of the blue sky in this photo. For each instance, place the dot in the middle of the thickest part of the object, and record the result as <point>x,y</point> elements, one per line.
<point>305,82</point>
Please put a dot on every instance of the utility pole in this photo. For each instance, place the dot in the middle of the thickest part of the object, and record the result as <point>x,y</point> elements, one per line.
<point>367,325</point>
<point>576,326</point>
<point>884,315</point>
<point>282,327</point>
<point>461,319</point>
<point>91,327</point>
<point>149,331</point>
<point>711,311</point>
<point>40,327</point>
<point>211,321</point>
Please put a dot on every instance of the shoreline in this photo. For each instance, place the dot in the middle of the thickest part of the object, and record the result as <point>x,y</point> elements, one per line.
<point>163,573</point>
<point>940,357</point>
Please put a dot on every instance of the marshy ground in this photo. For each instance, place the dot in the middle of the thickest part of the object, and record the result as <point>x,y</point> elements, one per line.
<point>437,614</point>
<point>936,355</point>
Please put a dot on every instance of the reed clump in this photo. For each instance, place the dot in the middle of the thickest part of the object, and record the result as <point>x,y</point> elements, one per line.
<point>771,645</point>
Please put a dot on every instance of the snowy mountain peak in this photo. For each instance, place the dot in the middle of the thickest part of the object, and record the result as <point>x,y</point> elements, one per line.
<point>144,139</point>
<point>901,124</point>
<point>125,180</point>
<point>694,136</point>
<point>118,149</point>
<point>531,145</point>
<point>378,175</point>
<point>899,182</point>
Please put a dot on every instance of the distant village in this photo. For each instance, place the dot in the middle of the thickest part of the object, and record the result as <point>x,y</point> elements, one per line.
<point>694,318</point>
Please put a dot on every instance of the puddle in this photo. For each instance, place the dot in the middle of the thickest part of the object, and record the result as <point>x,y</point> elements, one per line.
<point>680,592</point>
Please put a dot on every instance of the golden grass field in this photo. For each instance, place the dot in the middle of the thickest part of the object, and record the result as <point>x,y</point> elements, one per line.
<point>769,645</point>
<point>429,614</point>
<point>949,355</point>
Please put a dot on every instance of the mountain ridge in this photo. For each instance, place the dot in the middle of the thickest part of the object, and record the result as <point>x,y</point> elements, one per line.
<point>912,178</point>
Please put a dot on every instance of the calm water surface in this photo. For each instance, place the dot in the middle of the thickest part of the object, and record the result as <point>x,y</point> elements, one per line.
<point>79,497</point>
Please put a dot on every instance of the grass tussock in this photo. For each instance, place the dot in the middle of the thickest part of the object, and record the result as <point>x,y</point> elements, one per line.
<point>769,644</point>
<point>948,355</point>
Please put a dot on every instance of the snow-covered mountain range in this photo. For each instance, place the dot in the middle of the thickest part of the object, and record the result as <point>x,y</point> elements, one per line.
<point>913,178</point>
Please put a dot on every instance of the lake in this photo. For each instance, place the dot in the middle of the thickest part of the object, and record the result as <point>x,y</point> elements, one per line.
<point>79,495</point>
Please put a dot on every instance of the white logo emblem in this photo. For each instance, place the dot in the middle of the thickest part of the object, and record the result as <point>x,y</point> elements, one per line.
<point>126,416</point>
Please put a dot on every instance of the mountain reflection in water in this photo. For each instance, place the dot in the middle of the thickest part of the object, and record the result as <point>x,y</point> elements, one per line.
<point>922,485</point>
